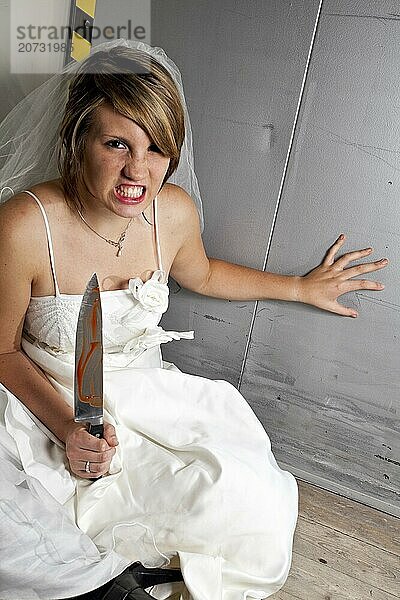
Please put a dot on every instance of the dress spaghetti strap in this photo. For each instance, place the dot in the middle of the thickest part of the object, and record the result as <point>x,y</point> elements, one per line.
<point>157,235</point>
<point>49,240</point>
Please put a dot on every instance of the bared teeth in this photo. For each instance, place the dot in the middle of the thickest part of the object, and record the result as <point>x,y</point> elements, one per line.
<point>130,191</point>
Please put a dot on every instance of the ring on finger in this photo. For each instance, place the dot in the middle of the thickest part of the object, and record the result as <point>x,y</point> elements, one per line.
<point>87,467</point>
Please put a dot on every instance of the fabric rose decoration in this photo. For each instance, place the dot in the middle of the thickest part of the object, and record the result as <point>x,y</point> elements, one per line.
<point>152,294</point>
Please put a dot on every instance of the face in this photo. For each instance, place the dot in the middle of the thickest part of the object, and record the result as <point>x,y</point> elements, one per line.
<point>123,169</point>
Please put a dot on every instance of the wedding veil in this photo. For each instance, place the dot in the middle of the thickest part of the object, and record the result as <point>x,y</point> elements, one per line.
<point>29,133</point>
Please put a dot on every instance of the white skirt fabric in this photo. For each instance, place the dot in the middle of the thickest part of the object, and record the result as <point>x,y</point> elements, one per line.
<point>193,477</point>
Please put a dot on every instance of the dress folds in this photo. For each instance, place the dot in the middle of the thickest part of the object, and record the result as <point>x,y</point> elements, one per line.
<point>193,476</point>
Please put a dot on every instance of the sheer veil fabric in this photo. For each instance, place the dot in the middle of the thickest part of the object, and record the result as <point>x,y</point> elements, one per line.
<point>29,133</point>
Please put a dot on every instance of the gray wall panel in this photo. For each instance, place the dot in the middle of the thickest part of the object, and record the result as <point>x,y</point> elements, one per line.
<point>242,65</point>
<point>15,86</point>
<point>327,388</point>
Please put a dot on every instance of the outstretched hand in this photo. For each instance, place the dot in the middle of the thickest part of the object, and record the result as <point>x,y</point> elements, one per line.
<point>323,285</point>
<point>82,448</point>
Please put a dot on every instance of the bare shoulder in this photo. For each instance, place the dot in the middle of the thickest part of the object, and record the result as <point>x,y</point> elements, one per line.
<point>177,209</point>
<point>22,224</point>
<point>19,217</point>
<point>23,249</point>
<point>21,213</point>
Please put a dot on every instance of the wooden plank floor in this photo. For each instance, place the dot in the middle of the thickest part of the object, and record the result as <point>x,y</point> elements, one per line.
<point>343,550</point>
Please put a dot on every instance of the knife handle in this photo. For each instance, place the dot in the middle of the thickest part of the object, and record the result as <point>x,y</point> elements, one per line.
<point>96,430</point>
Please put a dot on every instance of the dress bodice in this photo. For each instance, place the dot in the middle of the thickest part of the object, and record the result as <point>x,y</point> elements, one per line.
<point>130,316</point>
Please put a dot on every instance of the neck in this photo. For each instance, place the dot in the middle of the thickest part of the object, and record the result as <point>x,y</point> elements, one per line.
<point>102,218</point>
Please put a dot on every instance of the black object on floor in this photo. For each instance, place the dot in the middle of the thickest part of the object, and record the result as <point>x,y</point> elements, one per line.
<point>130,584</point>
<point>147,577</point>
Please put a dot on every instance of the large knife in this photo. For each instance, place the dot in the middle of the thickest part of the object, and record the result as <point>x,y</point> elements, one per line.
<point>88,380</point>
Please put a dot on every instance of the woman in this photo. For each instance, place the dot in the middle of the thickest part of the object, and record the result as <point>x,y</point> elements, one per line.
<point>186,467</point>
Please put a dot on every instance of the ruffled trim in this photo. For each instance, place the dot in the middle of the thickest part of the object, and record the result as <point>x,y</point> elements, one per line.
<point>130,338</point>
<point>151,337</point>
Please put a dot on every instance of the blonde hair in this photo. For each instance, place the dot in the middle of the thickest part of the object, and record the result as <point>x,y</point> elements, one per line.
<point>136,86</point>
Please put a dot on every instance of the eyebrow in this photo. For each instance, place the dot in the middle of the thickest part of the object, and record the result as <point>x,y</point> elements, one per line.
<point>115,136</point>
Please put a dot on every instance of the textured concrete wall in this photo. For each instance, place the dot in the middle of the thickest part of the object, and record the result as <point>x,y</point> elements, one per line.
<point>333,384</point>
<point>326,388</point>
<point>242,66</point>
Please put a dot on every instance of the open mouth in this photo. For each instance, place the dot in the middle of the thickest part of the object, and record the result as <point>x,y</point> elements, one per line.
<point>130,194</point>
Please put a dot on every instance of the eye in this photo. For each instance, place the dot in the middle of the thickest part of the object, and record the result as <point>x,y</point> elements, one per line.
<point>155,148</point>
<point>116,144</point>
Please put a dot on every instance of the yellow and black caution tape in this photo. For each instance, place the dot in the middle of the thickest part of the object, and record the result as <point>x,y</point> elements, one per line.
<point>81,23</point>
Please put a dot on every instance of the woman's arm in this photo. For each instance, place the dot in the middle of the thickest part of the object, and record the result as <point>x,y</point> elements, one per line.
<point>321,287</point>
<point>21,252</point>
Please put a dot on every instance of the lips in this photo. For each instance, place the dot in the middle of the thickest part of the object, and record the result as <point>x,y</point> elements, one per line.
<point>130,194</point>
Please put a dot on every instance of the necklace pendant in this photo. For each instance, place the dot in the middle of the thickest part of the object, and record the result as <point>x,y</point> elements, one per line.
<point>117,244</point>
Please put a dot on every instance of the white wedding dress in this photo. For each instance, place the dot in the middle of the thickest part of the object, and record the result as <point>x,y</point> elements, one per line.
<point>193,475</point>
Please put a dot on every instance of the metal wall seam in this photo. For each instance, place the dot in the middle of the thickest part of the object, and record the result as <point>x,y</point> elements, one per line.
<point>282,184</point>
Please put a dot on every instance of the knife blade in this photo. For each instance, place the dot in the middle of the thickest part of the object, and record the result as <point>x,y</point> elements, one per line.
<point>88,379</point>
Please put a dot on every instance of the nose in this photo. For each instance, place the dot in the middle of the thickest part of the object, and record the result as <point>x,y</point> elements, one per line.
<point>136,167</point>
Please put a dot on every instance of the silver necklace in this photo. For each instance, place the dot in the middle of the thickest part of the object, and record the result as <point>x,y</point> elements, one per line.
<point>117,244</point>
